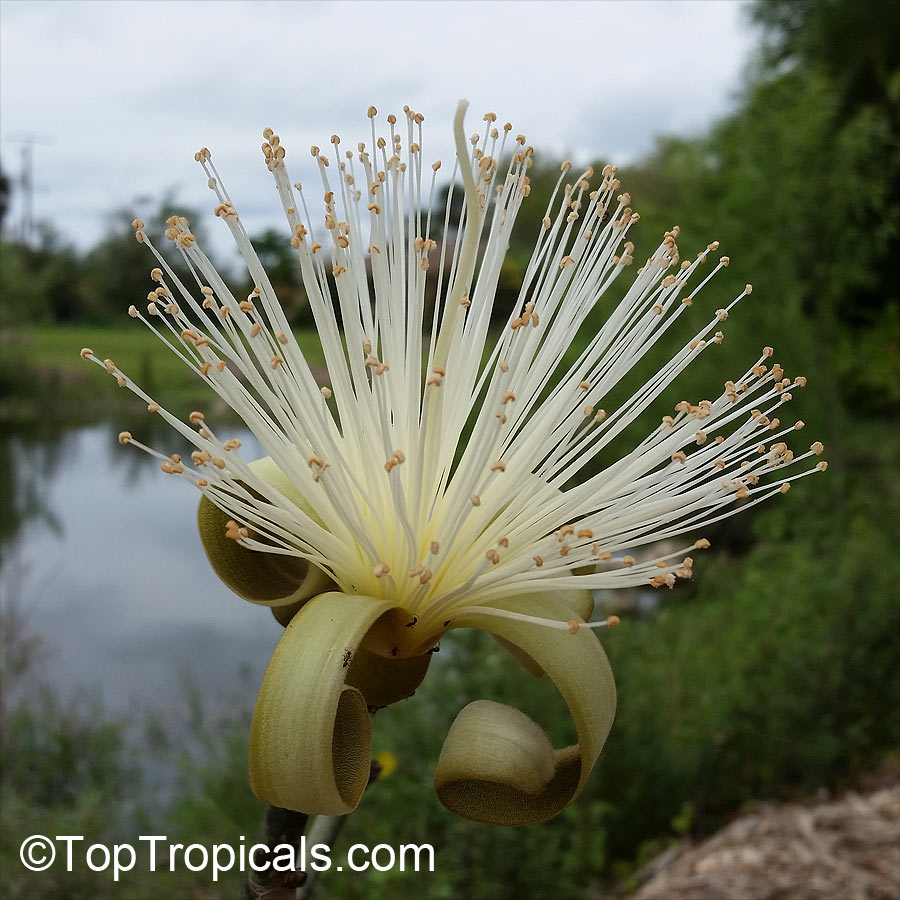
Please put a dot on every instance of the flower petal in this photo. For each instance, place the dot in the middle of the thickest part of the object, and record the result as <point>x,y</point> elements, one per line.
<point>265,578</point>
<point>384,680</point>
<point>582,602</point>
<point>492,768</point>
<point>512,749</point>
<point>310,741</point>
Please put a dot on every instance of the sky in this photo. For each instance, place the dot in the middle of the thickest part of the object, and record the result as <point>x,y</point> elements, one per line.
<point>116,96</point>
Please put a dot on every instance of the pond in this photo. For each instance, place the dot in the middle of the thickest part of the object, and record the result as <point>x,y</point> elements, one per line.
<point>102,562</point>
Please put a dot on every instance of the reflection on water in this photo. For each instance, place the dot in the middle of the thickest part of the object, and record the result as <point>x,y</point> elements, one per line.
<point>102,557</point>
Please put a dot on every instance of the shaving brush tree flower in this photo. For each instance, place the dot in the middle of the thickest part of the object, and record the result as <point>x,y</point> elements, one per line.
<point>445,476</point>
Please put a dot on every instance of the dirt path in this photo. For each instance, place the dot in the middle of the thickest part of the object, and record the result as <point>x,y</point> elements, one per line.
<point>846,849</point>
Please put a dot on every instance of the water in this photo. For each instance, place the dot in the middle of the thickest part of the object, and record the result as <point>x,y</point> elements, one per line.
<point>102,559</point>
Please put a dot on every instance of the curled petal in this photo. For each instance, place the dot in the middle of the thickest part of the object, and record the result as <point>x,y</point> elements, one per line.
<point>265,578</point>
<point>582,602</point>
<point>497,766</point>
<point>384,680</point>
<point>512,750</point>
<point>310,741</point>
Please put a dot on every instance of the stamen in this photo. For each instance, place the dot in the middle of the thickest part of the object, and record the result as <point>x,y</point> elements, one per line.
<point>518,505</point>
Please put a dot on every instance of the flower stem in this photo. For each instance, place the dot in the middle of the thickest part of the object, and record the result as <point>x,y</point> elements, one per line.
<point>323,830</point>
<point>280,826</point>
<point>284,826</point>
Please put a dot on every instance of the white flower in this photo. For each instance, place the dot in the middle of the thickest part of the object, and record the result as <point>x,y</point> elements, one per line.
<point>444,476</point>
<point>436,469</point>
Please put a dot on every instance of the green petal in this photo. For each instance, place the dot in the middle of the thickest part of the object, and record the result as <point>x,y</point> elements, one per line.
<point>512,748</point>
<point>284,614</point>
<point>581,602</point>
<point>492,768</point>
<point>270,579</point>
<point>310,741</point>
<point>384,680</point>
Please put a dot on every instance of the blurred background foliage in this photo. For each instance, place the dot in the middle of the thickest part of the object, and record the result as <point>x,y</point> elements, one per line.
<point>775,674</point>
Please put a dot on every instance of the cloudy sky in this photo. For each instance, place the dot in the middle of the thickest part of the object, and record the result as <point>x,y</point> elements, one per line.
<point>118,94</point>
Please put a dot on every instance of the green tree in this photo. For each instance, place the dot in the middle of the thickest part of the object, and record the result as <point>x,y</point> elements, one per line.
<point>38,283</point>
<point>4,198</point>
<point>279,259</point>
<point>115,273</point>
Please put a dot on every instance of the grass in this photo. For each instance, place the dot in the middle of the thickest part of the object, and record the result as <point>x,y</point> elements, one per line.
<point>41,372</point>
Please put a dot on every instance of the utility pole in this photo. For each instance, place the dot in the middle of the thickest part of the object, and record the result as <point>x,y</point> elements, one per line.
<point>26,182</point>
